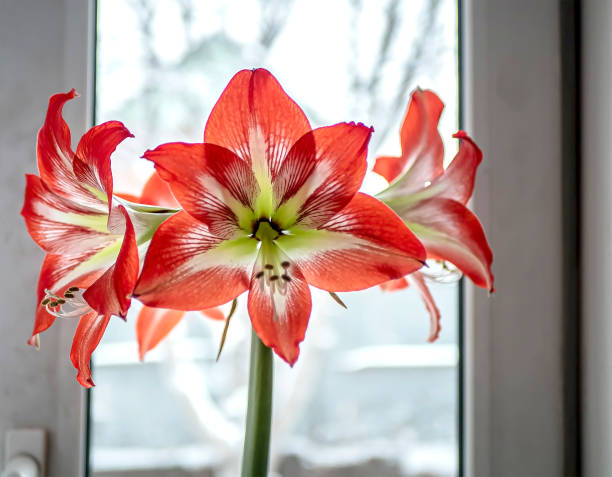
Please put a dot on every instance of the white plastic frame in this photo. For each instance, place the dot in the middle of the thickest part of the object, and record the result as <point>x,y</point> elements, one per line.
<point>513,366</point>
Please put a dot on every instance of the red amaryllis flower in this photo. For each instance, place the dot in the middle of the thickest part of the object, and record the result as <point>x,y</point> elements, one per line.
<point>92,264</point>
<point>270,206</point>
<point>432,200</point>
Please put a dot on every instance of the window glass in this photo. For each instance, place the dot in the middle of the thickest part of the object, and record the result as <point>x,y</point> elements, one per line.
<point>368,395</point>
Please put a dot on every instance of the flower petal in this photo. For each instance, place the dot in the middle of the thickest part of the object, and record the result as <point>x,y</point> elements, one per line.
<point>52,272</point>
<point>257,120</point>
<point>128,197</point>
<point>54,145</point>
<point>111,293</point>
<point>418,281</point>
<point>59,225</point>
<point>457,182</point>
<point>157,192</point>
<point>422,158</point>
<point>321,174</point>
<point>280,317</point>
<point>214,314</point>
<point>394,285</point>
<point>450,231</point>
<point>210,182</point>
<point>92,165</point>
<point>188,268</point>
<point>365,244</point>
<point>55,156</point>
<point>86,338</point>
<point>153,325</point>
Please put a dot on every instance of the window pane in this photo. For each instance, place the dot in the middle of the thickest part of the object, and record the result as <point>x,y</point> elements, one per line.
<point>368,395</point>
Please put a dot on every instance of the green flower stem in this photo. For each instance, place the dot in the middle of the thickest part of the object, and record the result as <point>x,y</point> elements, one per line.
<point>255,458</point>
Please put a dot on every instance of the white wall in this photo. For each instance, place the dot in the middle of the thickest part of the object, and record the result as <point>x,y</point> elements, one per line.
<point>43,46</point>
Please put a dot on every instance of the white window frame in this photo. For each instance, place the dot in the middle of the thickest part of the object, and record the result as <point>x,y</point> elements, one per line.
<point>596,238</point>
<point>521,351</point>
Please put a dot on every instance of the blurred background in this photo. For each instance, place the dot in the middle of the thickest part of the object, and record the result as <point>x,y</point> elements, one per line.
<point>368,396</point>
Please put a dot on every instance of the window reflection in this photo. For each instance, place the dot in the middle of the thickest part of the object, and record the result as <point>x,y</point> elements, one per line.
<point>368,395</point>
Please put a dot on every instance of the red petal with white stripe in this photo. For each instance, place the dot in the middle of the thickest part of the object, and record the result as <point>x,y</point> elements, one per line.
<point>457,182</point>
<point>365,244</point>
<point>111,293</point>
<point>450,231</point>
<point>422,158</point>
<point>92,165</point>
<point>210,182</point>
<point>53,269</point>
<point>280,318</point>
<point>256,119</point>
<point>188,268</point>
<point>323,171</point>
<point>59,225</point>
<point>88,334</point>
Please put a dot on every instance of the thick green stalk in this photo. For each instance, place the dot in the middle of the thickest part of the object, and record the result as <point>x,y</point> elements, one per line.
<point>255,458</point>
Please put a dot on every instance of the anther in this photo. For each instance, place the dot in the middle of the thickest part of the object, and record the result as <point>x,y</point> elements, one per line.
<point>68,295</point>
<point>53,304</point>
<point>267,266</point>
<point>259,274</point>
<point>73,289</point>
<point>285,264</point>
<point>61,301</point>
<point>45,301</point>
<point>274,278</point>
<point>287,278</point>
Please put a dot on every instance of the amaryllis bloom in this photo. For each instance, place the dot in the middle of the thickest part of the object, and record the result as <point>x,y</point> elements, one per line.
<point>270,206</point>
<point>432,200</point>
<point>91,239</point>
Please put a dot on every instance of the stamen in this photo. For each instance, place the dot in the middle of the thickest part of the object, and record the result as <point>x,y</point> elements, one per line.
<point>73,305</point>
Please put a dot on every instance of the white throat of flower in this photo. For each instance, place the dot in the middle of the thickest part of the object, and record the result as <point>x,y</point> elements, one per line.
<point>273,269</point>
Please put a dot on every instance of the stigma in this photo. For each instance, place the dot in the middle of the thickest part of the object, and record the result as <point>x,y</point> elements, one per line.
<point>70,305</point>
